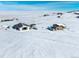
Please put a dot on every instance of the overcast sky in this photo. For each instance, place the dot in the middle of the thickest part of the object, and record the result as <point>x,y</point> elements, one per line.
<point>42,5</point>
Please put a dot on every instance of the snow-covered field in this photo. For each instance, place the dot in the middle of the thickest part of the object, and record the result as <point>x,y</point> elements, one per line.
<point>40,43</point>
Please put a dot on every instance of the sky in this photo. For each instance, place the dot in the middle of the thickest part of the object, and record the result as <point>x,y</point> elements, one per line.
<point>39,5</point>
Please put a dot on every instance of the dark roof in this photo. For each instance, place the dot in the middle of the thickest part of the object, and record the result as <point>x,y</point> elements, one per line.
<point>19,25</point>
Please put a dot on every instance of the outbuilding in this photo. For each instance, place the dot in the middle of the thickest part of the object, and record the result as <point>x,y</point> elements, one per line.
<point>56,27</point>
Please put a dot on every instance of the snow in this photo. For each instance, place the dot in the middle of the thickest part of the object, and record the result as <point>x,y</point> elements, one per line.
<point>40,43</point>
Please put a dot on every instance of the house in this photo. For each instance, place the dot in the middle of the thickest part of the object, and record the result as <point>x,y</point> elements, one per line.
<point>59,14</point>
<point>7,20</point>
<point>76,13</point>
<point>46,15</point>
<point>21,26</point>
<point>77,16</point>
<point>24,27</point>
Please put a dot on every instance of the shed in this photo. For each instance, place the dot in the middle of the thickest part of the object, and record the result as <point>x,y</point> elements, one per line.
<point>56,27</point>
